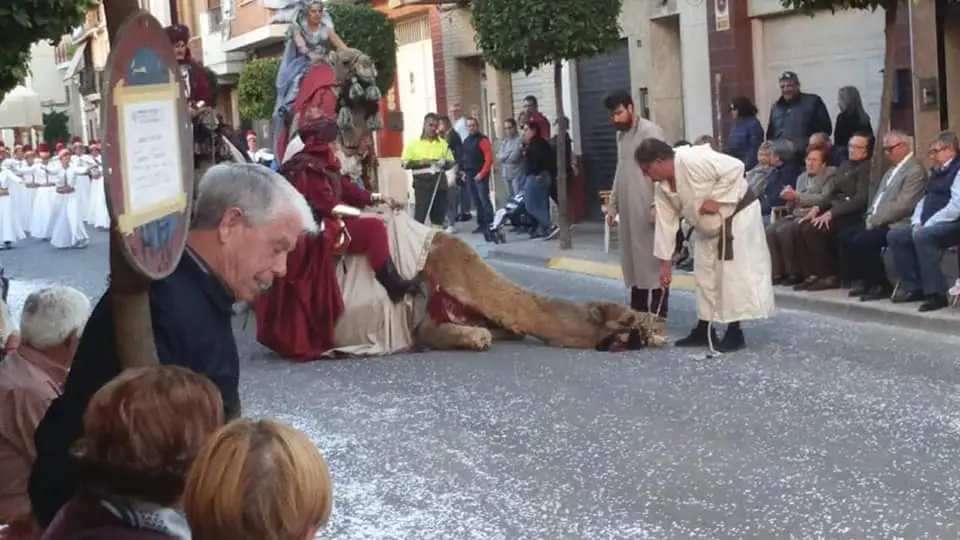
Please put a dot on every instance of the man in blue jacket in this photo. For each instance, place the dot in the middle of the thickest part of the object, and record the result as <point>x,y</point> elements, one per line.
<point>247,218</point>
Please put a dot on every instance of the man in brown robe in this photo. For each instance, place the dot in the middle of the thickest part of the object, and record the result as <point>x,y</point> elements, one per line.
<point>632,199</point>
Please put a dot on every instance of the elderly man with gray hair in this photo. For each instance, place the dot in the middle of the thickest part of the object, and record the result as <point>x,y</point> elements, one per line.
<point>31,377</point>
<point>785,172</point>
<point>247,218</point>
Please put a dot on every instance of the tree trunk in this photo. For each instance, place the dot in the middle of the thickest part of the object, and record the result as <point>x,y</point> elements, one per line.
<point>883,124</point>
<point>129,291</point>
<point>565,240</point>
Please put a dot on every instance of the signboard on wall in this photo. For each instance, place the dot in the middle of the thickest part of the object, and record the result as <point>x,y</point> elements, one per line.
<point>721,10</point>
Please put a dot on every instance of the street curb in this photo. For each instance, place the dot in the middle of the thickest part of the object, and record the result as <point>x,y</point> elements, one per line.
<point>785,298</point>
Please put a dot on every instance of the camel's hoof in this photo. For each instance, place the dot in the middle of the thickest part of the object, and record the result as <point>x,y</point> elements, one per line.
<point>482,340</point>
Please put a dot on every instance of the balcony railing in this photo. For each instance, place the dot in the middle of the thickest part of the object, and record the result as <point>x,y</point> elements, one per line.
<point>89,81</point>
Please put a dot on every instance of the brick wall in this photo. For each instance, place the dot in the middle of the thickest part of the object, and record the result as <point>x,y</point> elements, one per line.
<point>439,74</point>
<point>731,62</point>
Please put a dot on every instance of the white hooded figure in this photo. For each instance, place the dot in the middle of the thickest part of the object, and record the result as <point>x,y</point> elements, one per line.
<point>67,229</point>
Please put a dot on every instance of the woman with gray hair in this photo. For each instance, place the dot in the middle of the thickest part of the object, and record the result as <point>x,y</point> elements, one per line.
<point>785,172</point>
<point>853,118</point>
<point>247,220</point>
<point>757,176</point>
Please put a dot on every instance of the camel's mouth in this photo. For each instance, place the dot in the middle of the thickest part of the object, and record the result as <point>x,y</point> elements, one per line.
<point>629,340</point>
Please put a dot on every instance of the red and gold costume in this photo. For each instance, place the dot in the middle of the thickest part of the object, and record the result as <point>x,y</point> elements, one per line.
<point>199,91</point>
<point>296,318</point>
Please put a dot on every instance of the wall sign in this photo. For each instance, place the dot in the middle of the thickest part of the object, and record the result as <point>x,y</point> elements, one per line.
<point>721,10</point>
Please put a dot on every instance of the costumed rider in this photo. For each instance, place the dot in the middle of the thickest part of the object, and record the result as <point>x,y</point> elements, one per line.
<point>310,39</point>
<point>337,201</point>
<point>199,91</point>
<point>732,264</point>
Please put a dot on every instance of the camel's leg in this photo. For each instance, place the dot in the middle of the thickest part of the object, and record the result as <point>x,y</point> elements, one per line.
<point>448,336</point>
<point>502,334</point>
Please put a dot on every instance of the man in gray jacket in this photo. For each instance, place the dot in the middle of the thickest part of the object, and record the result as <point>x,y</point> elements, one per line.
<point>891,204</point>
<point>797,115</point>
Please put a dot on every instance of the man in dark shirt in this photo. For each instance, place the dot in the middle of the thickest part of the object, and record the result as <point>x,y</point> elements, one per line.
<point>797,115</point>
<point>247,219</point>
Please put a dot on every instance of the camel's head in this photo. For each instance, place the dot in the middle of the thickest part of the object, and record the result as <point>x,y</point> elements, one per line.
<point>624,328</point>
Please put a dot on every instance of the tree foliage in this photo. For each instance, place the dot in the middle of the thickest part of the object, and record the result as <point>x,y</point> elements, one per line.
<point>25,22</point>
<point>370,31</point>
<point>522,35</point>
<point>56,127</point>
<point>256,89</point>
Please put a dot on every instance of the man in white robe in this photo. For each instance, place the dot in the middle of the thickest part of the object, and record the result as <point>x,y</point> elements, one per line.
<point>732,265</point>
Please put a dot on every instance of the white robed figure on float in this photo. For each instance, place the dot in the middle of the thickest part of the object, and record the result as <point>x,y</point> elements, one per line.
<point>732,263</point>
<point>67,229</point>
<point>96,213</point>
<point>310,39</point>
<point>45,198</point>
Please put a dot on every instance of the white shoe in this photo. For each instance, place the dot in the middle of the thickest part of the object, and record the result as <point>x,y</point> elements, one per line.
<point>450,230</point>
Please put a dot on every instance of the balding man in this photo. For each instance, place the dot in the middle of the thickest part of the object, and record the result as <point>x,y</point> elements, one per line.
<point>247,219</point>
<point>31,377</point>
<point>891,204</point>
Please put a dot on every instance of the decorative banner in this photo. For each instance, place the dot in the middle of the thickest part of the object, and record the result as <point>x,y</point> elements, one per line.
<point>148,147</point>
<point>721,10</point>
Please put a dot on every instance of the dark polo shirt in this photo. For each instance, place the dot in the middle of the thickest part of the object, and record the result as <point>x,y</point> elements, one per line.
<point>191,311</point>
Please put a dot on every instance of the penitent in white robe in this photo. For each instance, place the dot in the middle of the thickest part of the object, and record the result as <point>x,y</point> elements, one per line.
<point>727,291</point>
<point>97,214</point>
<point>10,231</point>
<point>67,229</point>
<point>44,201</point>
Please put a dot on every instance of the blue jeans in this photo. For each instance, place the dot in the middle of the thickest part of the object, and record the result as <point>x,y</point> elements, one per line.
<point>917,255</point>
<point>464,195</point>
<point>536,198</point>
<point>479,191</point>
<point>513,185</point>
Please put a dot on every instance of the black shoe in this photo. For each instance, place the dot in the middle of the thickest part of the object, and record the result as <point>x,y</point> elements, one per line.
<point>698,337</point>
<point>465,217</point>
<point>805,284</point>
<point>732,340</point>
<point>397,287</point>
<point>824,284</point>
<point>791,280</point>
<point>858,291</point>
<point>876,293</point>
<point>907,298</point>
<point>934,302</point>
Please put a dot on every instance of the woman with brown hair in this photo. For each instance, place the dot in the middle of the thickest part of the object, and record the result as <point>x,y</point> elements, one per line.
<point>141,433</point>
<point>258,480</point>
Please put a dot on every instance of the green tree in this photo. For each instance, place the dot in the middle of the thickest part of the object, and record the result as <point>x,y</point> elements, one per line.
<point>56,127</point>
<point>370,31</point>
<point>889,7</point>
<point>522,35</point>
<point>360,26</point>
<point>24,23</point>
<point>256,89</point>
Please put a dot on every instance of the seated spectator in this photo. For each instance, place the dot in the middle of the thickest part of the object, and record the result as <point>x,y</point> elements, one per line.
<point>142,431</point>
<point>935,226</point>
<point>839,208</point>
<point>746,133</point>
<point>891,204</point>
<point>757,176</point>
<point>258,481</point>
<point>785,173</point>
<point>246,220</point>
<point>31,376</point>
<point>787,260</point>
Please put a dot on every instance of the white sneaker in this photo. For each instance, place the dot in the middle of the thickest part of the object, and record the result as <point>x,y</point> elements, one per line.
<point>450,230</point>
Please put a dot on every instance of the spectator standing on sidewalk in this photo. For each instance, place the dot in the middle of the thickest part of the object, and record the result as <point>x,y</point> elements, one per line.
<point>851,119</point>
<point>934,227</point>
<point>464,204</point>
<point>476,163</point>
<point>536,189</point>
<point>454,185</point>
<point>510,158</point>
<point>797,115</point>
<point>746,133</point>
<point>533,114</point>
<point>428,157</point>
<point>632,199</point>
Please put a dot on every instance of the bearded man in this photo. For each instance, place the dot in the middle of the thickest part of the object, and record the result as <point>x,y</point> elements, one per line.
<point>199,91</point>
<point>732,263</point>
<point>632,200</point>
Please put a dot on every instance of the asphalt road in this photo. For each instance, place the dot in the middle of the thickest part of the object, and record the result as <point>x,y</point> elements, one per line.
<point>822,429</point>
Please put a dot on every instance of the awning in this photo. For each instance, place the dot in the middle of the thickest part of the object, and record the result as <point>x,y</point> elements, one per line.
<point>75,61</point>
<point>21,109</point>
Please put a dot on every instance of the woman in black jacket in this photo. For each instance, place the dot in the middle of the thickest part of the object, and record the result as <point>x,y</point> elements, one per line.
<point>538,161</point>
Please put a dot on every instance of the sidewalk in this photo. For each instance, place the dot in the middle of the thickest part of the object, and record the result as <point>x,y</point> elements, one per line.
<point>588,257</point>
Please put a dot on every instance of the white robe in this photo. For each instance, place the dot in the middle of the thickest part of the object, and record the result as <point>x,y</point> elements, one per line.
<point>97,214</point>
<point>67,229</point>
<point>19,199</point>
<point>44,201</point>
<point>10,231</point>
<point>83,164</point>
<point>727,291</point>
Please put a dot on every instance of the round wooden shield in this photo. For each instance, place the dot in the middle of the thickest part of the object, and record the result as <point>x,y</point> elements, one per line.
<point>147,147</point>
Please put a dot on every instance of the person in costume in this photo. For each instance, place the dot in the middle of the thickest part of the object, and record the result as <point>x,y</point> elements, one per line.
<point>67,229</point>
<point>46,195</point>
<point>199,90</point>
<point>309,41</point>
<point>10,231</point>
<point>97,214</point>
<point>732,264</point>
<point>315,172</point>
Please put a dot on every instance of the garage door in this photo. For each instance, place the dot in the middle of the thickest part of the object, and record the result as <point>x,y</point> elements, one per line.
<point>597,77</point>
<point>827,52</point>
<point>538,83</point>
